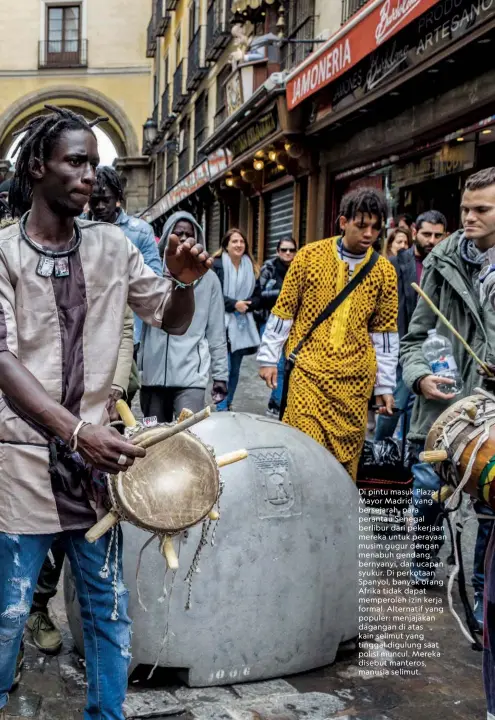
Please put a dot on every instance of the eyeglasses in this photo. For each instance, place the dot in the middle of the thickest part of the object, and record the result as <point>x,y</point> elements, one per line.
<point>287,250</point>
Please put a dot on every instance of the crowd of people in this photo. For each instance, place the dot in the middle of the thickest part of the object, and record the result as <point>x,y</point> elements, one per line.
<point>336,327</point>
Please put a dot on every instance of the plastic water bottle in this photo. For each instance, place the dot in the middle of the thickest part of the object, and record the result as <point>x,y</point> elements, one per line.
<point>241,320</point>
<point>437,350</point>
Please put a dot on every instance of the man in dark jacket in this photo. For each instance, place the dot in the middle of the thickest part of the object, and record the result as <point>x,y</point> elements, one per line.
<point>268,286</point>
<point>431,229</point>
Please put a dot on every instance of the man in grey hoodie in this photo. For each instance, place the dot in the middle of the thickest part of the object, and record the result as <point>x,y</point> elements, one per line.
<point>175,370</point>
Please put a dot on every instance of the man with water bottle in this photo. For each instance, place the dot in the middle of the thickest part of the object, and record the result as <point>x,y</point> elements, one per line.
<point>440,371</point>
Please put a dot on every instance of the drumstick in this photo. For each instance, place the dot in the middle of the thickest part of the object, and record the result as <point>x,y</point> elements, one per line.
<point>168,432</point>
<point>232,457</point>
<point>452,329</point>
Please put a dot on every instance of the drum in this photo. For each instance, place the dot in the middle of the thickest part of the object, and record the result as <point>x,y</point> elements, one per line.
<point>173,488</point>
<point>461,443</point>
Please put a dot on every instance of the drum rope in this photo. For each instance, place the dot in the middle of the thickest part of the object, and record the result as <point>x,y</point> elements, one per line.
<point>115,614</point>
<point>165,634</point>
<point>485,434</point>
<point>138,568</point>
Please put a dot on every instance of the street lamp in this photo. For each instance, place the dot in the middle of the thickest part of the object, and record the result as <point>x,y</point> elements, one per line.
<point>150,130</point>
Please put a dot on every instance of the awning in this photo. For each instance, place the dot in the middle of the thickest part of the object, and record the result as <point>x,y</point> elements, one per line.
<point>205,172</point>
<point>377,22</point>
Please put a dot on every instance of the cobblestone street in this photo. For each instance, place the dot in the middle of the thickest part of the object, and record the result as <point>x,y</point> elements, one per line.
<point>53,688</point>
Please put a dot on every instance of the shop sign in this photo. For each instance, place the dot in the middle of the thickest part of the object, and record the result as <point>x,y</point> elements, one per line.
<point>380,22</point>
<point>218,162</point>
<point>214,165</point>
<point>442,25</point>
<point>449,160</point>
<point>258,131</point>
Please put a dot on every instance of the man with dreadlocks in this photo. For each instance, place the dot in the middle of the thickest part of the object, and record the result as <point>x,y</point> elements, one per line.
<point>351,352</point>
<point>64,288</point>
<point>106,206</point>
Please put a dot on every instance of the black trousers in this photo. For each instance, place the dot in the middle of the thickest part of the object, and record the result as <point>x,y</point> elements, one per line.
<point>48,578</point>
<point>165,403</point>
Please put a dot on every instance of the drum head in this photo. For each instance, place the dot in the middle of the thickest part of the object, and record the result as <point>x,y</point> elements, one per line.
<point>449,414</point>
<point>174,487</point>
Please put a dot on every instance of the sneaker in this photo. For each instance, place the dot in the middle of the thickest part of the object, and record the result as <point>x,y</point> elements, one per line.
<point>19,663</point>
<point>45,635</point>
<point>271,412</point>
<point>478,610</point>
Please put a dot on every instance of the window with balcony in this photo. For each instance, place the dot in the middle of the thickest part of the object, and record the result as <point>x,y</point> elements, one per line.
<point>200,124</point>
<point>217,31</point>
<point>160,166</point>
<point>221,107</point>
<point>170,163</point>
<point>63,46</point>
<point>350,8</point>
<point>184,132</point>
<point>300,17</point>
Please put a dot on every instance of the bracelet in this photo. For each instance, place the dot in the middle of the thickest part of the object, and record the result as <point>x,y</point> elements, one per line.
<point>74,436</point>
<point>180,285</point>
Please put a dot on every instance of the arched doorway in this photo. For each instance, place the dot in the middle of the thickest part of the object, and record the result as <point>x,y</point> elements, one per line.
<point>90,103</point>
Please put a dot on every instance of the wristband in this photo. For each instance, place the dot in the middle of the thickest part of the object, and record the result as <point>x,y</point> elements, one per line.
<point>180,285</point>
<point>74,436</point>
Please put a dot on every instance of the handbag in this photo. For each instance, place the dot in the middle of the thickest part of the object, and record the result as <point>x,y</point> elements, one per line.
<point>327,312</point>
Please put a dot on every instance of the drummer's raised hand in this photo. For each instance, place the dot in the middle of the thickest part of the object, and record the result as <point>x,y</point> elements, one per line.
<point>187,261</point>
<point>104,449</point>
<point>428,387</point>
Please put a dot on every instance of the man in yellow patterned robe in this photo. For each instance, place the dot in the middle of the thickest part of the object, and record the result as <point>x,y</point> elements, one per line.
<point>353,354</point>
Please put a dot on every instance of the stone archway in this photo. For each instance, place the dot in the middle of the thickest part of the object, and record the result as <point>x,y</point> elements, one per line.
<point>130,163</point>
<point>90,102</point>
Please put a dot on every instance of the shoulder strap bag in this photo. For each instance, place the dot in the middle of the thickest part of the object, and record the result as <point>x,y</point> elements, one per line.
<point>327,312</point>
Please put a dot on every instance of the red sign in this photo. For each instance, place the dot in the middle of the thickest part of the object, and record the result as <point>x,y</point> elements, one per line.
<point>348,47</point>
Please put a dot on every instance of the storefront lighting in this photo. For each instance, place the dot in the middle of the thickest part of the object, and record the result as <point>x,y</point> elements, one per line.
<point>272,155</point>
<point>258,165</point>
<point>484,41</point>
<point>280,167</point>
<point>460,139</point>
<point>487,131</point>
<point>248,175</point>
<point>229,181</point>
<point>259,155</point>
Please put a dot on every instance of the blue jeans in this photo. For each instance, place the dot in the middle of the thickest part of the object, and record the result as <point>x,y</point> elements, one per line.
<point>235,362</point>
<point>106,640</point>
<point>276,397</point>
<point>426,512</point>
<point>404,400</point>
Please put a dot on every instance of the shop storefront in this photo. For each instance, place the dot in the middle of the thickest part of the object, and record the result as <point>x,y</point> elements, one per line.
<point>195,193</point>
<point>267,184</point>
<point>413,117</point>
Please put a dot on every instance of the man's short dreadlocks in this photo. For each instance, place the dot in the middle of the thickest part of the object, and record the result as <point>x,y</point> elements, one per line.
<point>107,177</point>
<point>41,134</point>
<point>366,201</point>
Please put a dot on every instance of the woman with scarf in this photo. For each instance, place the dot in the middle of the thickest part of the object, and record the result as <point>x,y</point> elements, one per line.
<point>238,272</point>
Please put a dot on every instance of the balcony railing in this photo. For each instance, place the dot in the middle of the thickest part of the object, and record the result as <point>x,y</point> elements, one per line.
<point>170,175</point>
<point>151,39</point>
<point>167,117</point>
<point>179,99</point>
<point>220,116</point>
<point>183,162</point>
<point>196,65</point>
<point>217,31</point>
<point>294,53</point>
<point>162,18</point>
<point>350,8</point>
<point>63,54</point>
